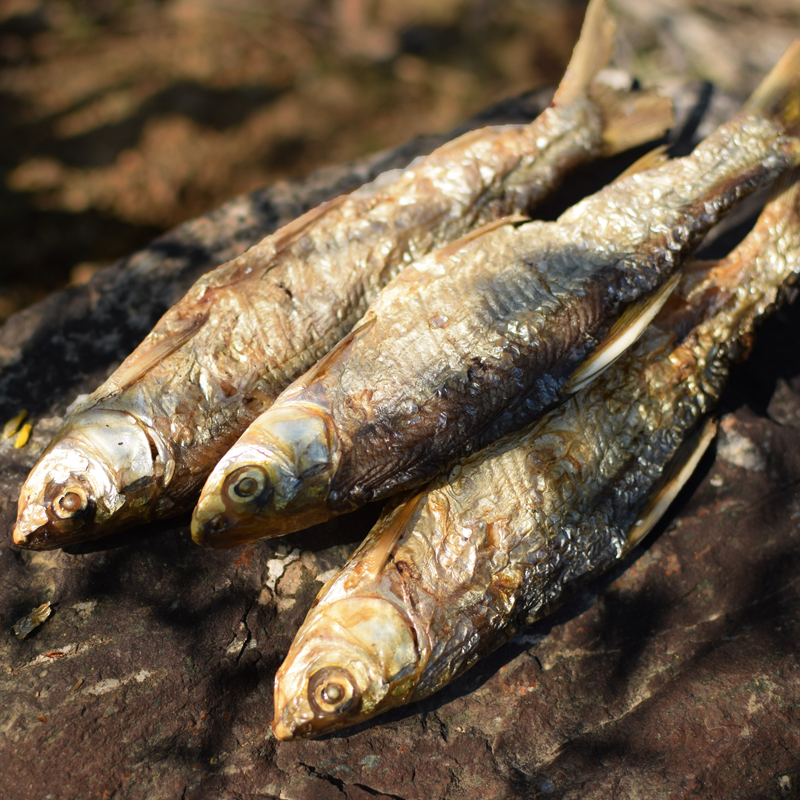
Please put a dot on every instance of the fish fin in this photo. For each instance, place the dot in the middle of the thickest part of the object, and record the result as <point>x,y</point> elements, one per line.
<point>324,364</point>
<point>592,52</point>
<point>374,561</point>
<point>454,247</point>
<point>461,142</point>
<point>630,118</point>
<point>147,355</point>
<point>655,158</point>
<point>624,332</point>
<point>678,471</point>
<point>778,95</point>
<point>292,231</point>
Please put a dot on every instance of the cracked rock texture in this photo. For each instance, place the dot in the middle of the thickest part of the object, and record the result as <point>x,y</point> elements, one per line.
<point>675,675</point>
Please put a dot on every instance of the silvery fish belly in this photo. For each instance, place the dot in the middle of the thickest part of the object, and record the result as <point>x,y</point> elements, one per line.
<point>449,575</point>
<point>485,335</point>
<point>246,330</point>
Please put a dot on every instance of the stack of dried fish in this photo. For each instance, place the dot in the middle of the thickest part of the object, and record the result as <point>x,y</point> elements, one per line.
<point>497,323</point>
<point>507,535</point>
<point>140,447</point>
<point>484,336</point>
<point>503,322</point>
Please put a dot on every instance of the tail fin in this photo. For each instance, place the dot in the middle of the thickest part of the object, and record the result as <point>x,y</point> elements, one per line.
<point>630,118</point>
<point>778,96</point>
<point>592,52</point>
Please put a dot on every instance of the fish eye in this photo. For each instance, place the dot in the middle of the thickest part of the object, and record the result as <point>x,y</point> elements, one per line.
<point>248,484</point>
<point>69,506</point>
<point>70,502</point>
<point>333,690</point>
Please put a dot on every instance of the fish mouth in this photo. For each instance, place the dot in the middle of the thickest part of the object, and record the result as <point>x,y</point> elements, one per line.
<point>33,530</point>
<point>282,731</point>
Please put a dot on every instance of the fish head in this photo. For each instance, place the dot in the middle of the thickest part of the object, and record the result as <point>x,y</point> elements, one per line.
<point>93,479</point>
<point>273,481</point>
<point>352,659</point>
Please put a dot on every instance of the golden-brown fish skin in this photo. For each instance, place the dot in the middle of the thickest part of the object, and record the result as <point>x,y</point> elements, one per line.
<point>485,335</point>
<point>246,330</point>
<point>511,531</point>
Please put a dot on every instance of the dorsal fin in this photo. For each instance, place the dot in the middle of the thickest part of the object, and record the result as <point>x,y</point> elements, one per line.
<point>460,142</point>
<point>454,247</point>
<point>322,366</point>
<point>147,355</point>
<point>655,158</point>
<point>292,231</point>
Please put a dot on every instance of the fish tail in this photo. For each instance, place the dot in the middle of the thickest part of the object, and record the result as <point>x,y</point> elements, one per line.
<point>592,52</point>
<point>629,118</point>
<point>778,95</point>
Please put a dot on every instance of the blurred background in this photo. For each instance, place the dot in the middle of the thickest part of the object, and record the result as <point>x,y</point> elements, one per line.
<point>120,119</point>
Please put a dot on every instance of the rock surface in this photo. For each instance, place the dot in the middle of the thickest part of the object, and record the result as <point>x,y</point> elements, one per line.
<point>675,675</point>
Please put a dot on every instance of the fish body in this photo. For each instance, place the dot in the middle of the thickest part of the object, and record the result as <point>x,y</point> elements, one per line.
<point>507,535</point>
<point>246,330</point>
<point>484,336</point>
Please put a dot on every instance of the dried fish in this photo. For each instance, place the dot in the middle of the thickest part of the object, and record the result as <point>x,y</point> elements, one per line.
<point>141,446</point>
<point>448,576</point>
<point>485,335</point>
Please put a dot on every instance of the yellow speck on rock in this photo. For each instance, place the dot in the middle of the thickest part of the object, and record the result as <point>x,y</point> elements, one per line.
<point>12,426</point>
<point>23,435</point>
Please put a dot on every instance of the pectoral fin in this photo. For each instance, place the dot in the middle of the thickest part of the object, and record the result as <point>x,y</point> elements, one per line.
<point>624,332</point>
<point>672,481</point>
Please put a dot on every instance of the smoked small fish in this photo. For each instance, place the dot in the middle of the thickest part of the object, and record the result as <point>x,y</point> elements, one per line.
<point>448,576</point>
<point>143,443</point>
<point>485,335</point>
